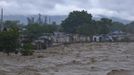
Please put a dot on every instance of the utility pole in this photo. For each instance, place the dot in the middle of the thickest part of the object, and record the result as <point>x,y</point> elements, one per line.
<point>1,21</point>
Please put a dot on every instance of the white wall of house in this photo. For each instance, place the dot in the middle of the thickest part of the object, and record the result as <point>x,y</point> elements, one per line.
<point>96,38</point>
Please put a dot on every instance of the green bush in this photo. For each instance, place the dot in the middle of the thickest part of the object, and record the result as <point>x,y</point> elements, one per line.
<point>27,50</point>
<point>9,40</point>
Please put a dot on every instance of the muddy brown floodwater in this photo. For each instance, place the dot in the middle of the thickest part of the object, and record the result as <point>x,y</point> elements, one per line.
<point>74,59</point>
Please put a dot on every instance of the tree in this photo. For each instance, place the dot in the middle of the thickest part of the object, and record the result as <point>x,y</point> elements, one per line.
<point>75,20</point>
<point>130,27</point>
<point>30,20</point>
<point>118,26</point>
<point>27,49</point>
<point>88,29</point>
<point>104,26</point>
<point>36,30</point>
<point>11,24</point>
<point>9,40</point>
<point>40,21</point>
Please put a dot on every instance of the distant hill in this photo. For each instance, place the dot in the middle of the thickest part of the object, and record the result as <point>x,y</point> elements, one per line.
<point>23,19</point>
<point>58,18</point>
<point>116,19</point>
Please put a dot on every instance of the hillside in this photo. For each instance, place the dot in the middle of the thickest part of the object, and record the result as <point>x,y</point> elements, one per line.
<point>23,18</point>
<point>57,18</point>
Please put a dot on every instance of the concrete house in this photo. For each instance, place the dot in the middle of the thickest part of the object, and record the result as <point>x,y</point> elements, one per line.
<point>110,37</point>
<point>118,35</point>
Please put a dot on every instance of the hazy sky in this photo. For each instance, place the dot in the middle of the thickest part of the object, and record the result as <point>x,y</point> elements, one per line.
<point>112,8</point>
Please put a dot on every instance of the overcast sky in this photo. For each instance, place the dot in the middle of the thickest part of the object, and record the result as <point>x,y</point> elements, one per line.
<point>112,8</point>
